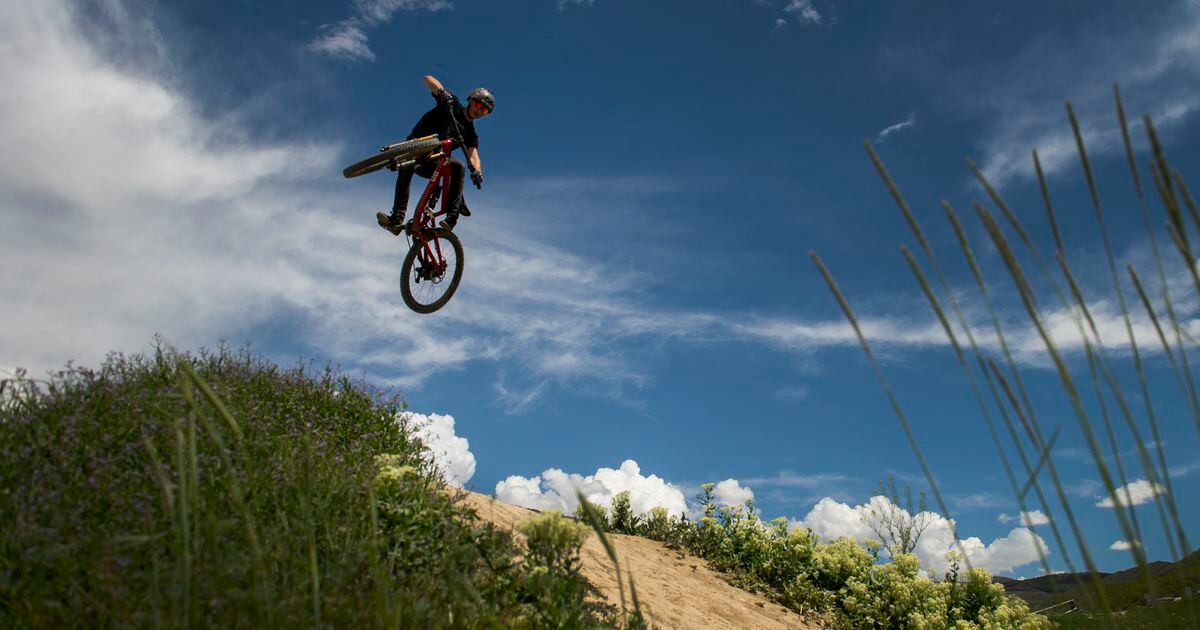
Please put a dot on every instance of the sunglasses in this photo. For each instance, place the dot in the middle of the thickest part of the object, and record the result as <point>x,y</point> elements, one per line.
<point>480,107</point>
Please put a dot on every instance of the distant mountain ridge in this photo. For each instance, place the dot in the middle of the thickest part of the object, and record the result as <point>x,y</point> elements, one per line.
<point>1124,588</point>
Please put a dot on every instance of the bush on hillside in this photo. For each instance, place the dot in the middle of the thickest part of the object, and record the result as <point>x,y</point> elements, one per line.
<point>838,580</point>
<point>127,497</point>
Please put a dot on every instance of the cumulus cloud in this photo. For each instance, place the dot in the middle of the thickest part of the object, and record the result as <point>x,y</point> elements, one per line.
<point>1134,493</point>
<point>911,121</point>
<point>832,519</point>
<point>555,489</point>
<point>731,492</point>
<point>1029,519</point>
<point>1124,545</point>
<point>451,454</point>
<point>804,11</point>
<point>347,39</point>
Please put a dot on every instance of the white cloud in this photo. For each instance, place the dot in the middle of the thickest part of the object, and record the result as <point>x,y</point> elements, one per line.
<point>780,24</point>
<point>1124,545</point>
<point>555,489</point>
<point>562,4</point>
<point>1134,493</point>
<point>804,11</point>
<point>832,519</point>
<point>343,40</point>
<point>1028,519</point>
<point>1153,59</point>
<point>451,453</point>
<point>347,39</point>
<point>165,220</point>
<point>911,121</point>
<point>730,492</point>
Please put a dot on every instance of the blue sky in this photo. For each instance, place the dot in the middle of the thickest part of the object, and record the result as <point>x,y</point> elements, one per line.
<point>637,278</point>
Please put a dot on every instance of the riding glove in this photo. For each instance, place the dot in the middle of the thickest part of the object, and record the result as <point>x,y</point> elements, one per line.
<point>444,97</point>
<point>477,179</point>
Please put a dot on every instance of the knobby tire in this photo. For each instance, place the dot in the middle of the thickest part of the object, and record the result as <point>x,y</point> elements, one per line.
<point>406,150</point>
<point>451,246</point>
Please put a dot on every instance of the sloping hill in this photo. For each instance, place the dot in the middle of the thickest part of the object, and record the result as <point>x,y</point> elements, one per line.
<point>676,590</point>
<point>1124,588</point>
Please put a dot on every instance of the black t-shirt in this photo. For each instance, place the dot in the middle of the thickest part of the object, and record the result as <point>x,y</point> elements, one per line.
<point>435,122</point>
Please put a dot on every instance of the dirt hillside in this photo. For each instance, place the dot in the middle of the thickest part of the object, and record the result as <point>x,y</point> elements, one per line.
<point>676,590</point>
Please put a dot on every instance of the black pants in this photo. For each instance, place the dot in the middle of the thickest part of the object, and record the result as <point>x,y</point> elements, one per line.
<point>452,196</point>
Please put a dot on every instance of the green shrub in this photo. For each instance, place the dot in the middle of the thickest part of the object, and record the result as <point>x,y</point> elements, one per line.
<point>128,498</point>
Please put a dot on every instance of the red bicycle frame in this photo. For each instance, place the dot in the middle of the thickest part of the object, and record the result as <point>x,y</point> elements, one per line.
<point>427,220</point>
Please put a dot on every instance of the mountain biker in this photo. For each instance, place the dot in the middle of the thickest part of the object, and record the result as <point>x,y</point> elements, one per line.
<point>438,121</point>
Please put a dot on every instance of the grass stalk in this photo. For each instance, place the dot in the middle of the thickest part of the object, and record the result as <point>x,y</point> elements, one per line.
<point>183,524</point>
<point>235,489</point>
<point>887,390</point>
<point>1185,548</point>
<point>991,424</point>
<point>1043,457</point>
<point>1133,345</point>
<point>213,399</point>
<point>1033,422</point>
<point>306,497</point>
<point>1027,299</point>
<point>597,524</point>
<point>164,484</point>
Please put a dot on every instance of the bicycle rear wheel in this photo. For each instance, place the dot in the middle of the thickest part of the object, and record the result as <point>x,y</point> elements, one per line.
<point>406,150</point>
<point>426,284</point>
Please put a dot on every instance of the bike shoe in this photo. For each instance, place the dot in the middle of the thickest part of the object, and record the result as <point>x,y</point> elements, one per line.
<point>393,223</point>
<point>450,221</point>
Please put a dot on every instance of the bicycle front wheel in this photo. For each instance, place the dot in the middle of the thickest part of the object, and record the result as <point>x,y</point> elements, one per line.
<point>407,150</point>
<point>431,271</point>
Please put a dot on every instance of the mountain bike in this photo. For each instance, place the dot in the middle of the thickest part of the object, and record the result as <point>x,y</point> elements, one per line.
<point>433,266</point>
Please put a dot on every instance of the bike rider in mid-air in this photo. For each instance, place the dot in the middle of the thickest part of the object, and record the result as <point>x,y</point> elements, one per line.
<point>438,121</point>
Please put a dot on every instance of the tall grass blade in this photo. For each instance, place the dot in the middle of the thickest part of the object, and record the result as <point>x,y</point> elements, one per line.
<point>1185,548</point>
<point>184,525</point>
<point>1026,293</point>
<point>597,524</point>
<point>914,225</point>
<point>213,399</point>
<point>1133,345</point>
<point>887,390</point>
<point>235,490</point>
<point>1042,458</point>
<point>981,284</point>
<point>991,425</point>
<point>164,484</point>
<point>1041,177</point>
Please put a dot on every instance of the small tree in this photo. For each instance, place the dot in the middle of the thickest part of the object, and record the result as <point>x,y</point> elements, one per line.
<point>621,518</point>
<point>897,525</point>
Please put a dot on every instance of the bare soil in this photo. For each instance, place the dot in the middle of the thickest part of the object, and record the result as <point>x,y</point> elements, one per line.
<point>676,589</point>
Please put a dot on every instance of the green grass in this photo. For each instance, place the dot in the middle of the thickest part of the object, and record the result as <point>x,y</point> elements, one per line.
<point>219,490</point>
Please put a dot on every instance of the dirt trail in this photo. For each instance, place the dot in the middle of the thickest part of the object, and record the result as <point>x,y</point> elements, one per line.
<point>676,589</point>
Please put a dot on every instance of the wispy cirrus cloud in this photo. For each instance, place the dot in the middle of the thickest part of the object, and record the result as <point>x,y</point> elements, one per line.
<point>804,11</point>
<point>348,40</point>
<point>908,123</point>
<point>1153,59</point>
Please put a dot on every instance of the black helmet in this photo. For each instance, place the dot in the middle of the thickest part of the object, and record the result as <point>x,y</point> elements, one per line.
<point>483,96</point>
